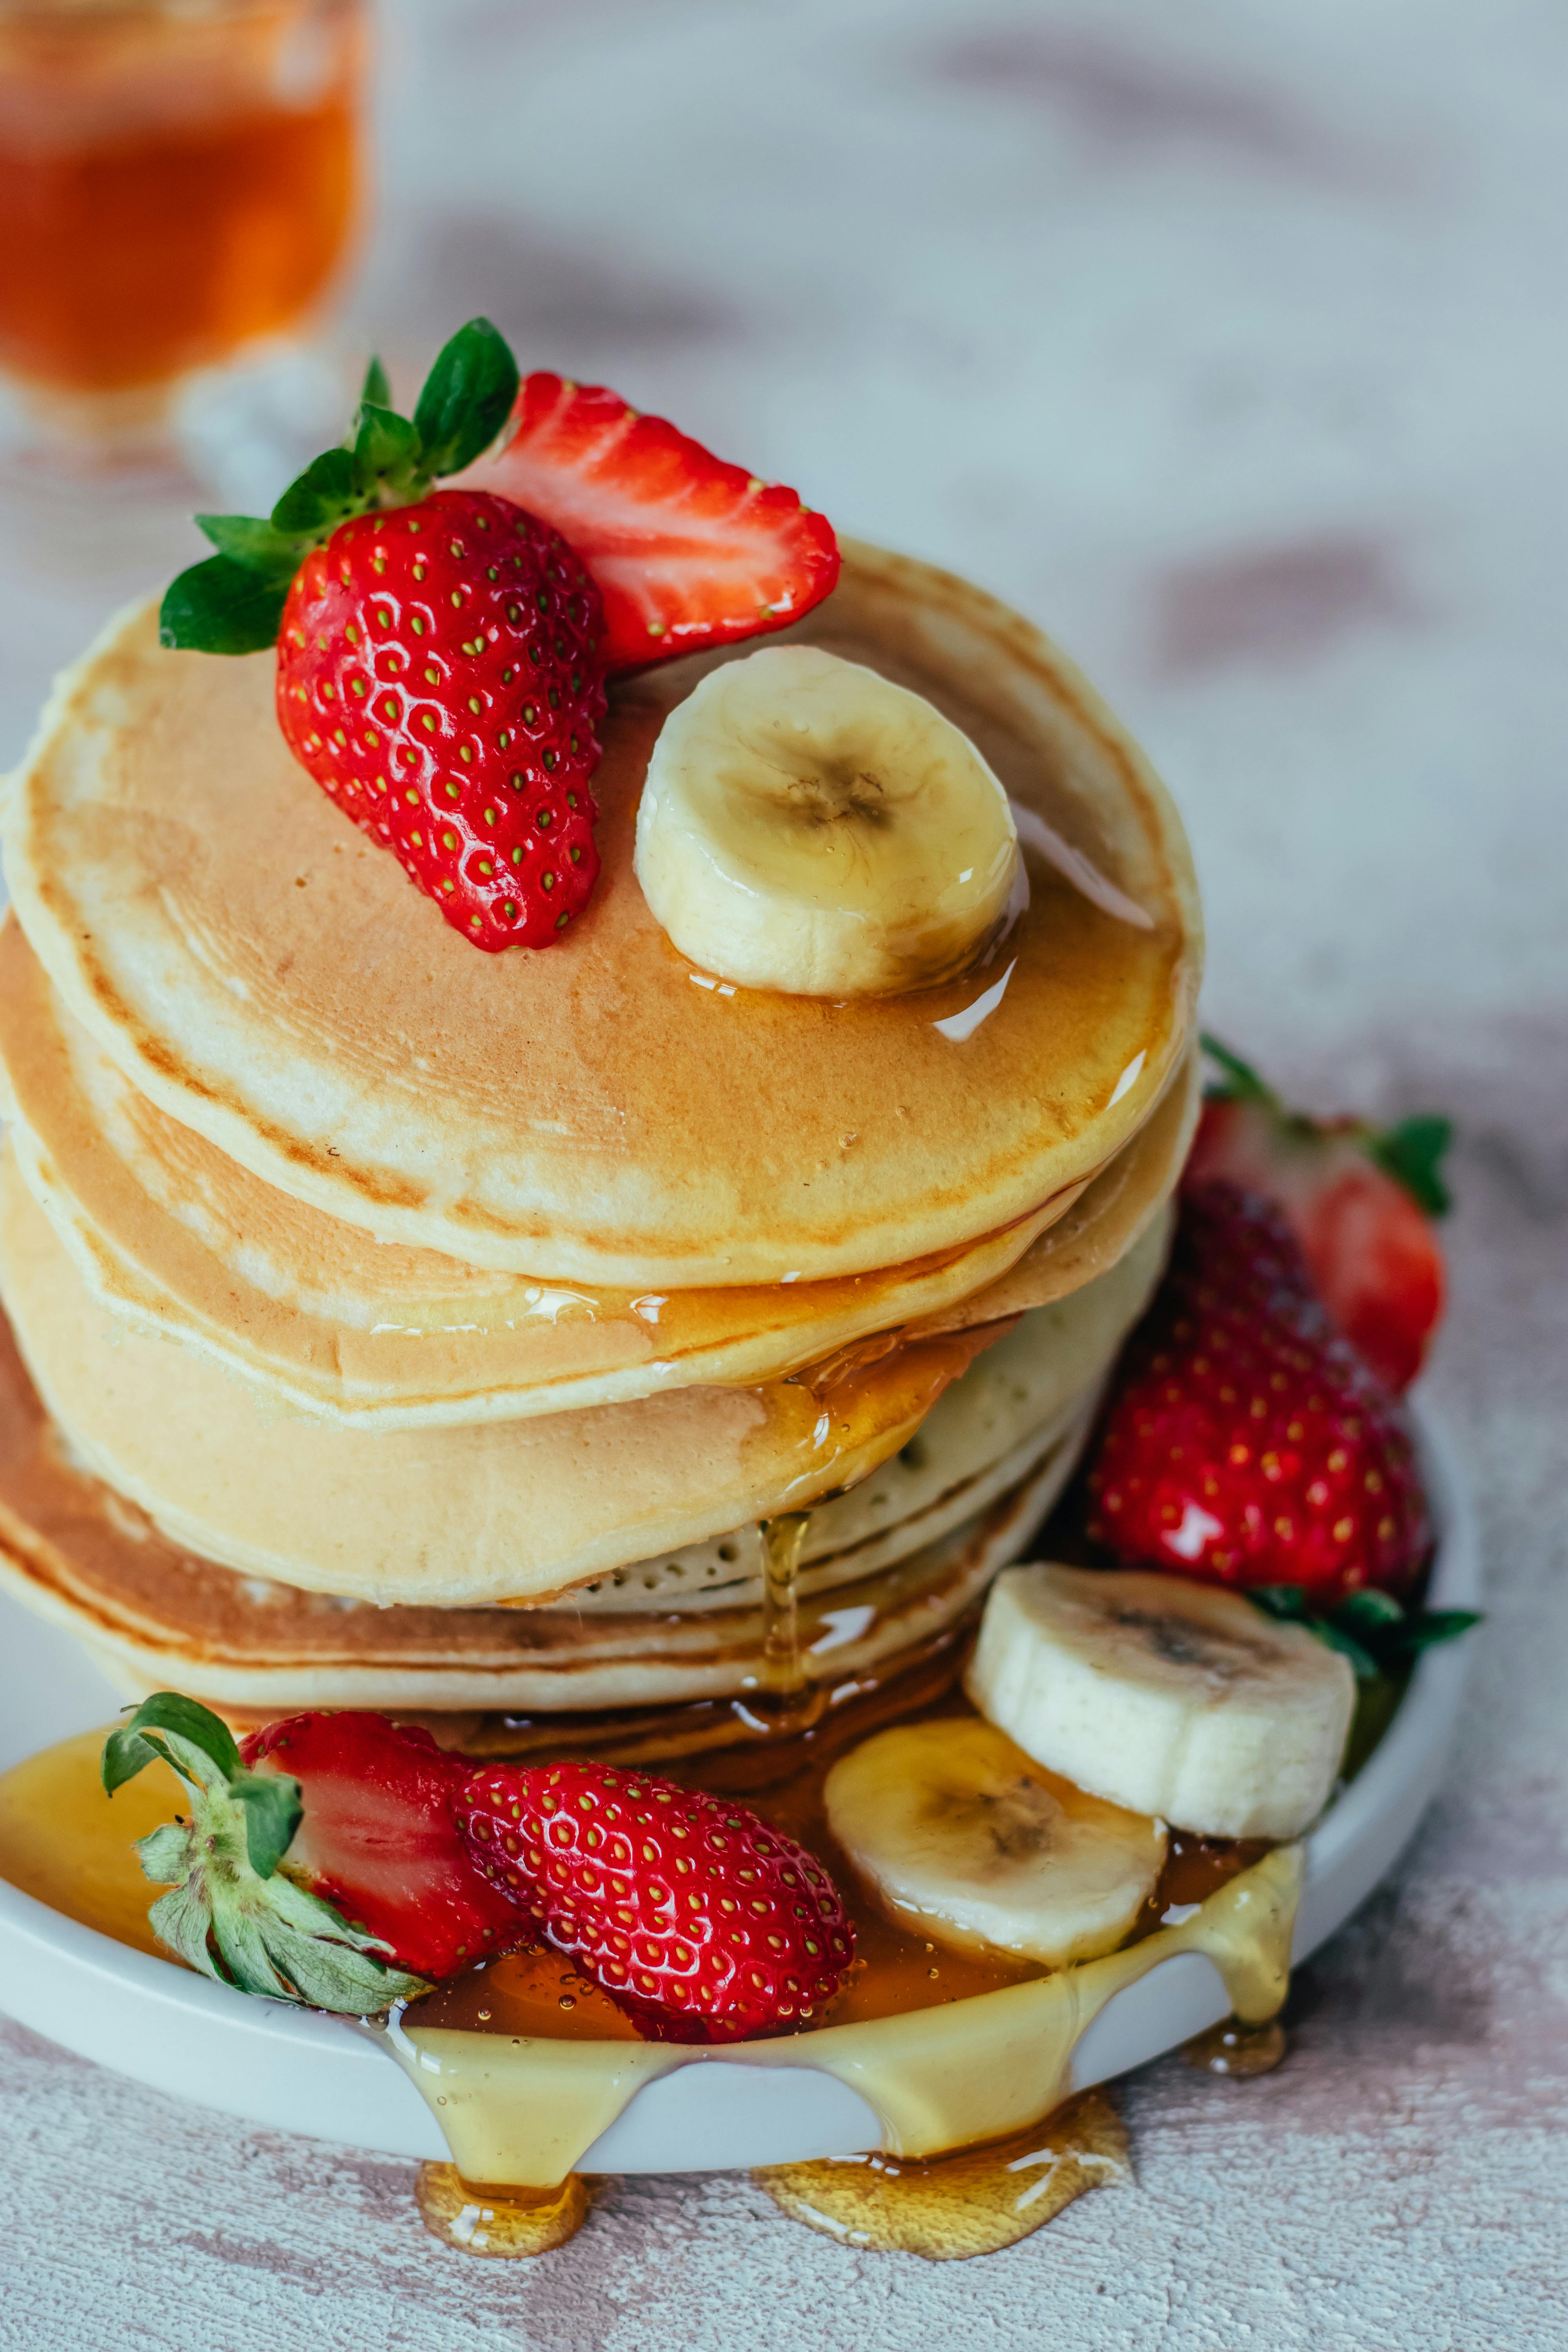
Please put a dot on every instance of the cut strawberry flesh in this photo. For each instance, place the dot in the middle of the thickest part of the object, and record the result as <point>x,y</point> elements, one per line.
<point>379,1839</point>
<point>689,553</point>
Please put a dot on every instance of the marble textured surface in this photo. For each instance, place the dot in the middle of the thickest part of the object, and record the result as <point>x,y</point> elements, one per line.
<point>1228,341</point>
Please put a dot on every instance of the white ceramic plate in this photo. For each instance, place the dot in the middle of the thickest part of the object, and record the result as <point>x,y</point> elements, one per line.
<point>300,2073</point>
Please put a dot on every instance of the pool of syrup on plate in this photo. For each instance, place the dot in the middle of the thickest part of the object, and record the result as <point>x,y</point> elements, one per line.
<point>974,2201</point>
<point>782,1773</point>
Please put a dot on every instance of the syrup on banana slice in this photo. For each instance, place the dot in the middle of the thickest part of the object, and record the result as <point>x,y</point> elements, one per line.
<point>967,1840</point>
<point>810,827</point>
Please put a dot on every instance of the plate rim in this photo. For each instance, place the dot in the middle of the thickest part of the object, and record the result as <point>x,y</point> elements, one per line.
<point>269,2065</point>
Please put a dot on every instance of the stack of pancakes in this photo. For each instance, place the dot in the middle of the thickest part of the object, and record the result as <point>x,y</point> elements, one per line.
<point>413,1327</point>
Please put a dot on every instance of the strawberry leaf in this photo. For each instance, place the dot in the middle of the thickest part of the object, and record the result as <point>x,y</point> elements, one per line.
<point>1370,1628</point>
<point>1288,1602</point>
<point>125,1753</point>
<point>1238,1081</point>
<point>1369,1613</point>
<point>1411,1153</point>
<point>1363,1665</point>
<point>188,1736</point>
<point>260,1936</point>
<point>221,607</point>
<point>325,495</point>
<point>233,603</point>
<point>375,391</point>
<point>254,543</point>
<point>273,1811</point>
<point>386,450</point>
<point>230,1911</point>
<point>1431,1626</point>
<point>168,1711</point>
<point>468,397</point>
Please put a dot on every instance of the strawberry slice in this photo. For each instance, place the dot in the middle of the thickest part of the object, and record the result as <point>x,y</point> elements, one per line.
<point>1360,1202</point>
<point>689,553</point>
<point>379,1837</point>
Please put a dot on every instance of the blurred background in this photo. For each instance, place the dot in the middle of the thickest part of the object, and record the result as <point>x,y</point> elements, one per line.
<point>1229,342</point>
<point>1226,342</point>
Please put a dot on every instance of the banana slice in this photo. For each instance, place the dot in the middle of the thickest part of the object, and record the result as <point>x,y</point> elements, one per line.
<point>966,1840</point>
<point>1173,1697</point>
<point>810,827</point>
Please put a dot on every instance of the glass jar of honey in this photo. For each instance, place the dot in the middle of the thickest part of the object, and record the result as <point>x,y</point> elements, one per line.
<point>179,183</point>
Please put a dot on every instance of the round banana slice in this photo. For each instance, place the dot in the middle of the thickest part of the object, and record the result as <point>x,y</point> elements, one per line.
<point>966,1840</point>
<point>1175,1698</point>
<point>808,827</point>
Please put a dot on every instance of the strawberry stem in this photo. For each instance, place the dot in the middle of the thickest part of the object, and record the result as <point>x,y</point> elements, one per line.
<point>1373,1630</point>
<point>1238,1081</point>
<point>1411,1153</point>
<point>232,603</point>
<point>230,1911</point>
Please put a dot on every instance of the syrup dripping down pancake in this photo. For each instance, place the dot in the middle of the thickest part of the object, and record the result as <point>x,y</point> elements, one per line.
<point>491,1511</point>
<point>187,1244</point>
<point>157,1616</point>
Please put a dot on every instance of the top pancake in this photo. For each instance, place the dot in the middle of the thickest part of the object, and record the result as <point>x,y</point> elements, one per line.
<point>598,1112</point>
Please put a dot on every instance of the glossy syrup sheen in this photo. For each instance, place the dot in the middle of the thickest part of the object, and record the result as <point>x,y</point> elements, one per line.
<point>66,1843</point>
<point>949,2207</point>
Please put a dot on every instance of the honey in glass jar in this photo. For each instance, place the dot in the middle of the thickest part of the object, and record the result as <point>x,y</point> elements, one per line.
<point>176,183</point>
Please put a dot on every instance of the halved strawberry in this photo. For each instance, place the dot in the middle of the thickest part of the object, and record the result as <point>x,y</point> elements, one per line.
<point>1360,1201</point>
<point>689,553</point>
<point>322,1863</point>
<point>379,1837</point>
<point>699,1918</point>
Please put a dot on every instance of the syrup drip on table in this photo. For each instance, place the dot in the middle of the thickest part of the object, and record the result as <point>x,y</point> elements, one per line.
<point>503,2224</point>
<point>949,2207</point>
<point>1237,2049</point>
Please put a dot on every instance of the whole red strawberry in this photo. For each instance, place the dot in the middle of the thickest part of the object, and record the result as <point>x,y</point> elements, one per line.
<point>441,656</point>
<point>705,1923</point>
<point>1361,1201</point>
<point>438,674</point>
<point>1246,1441</point>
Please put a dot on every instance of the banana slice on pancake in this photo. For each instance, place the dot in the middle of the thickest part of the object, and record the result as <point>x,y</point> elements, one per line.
<point>1173,1697</point>
<point>968,1841</point>
<point>808,827</point>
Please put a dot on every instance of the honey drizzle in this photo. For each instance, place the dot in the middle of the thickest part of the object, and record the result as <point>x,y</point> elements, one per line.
<point>953,2207</point>
<point>1237,2049</point>
<point>520,2109</point>
<point>526,2110</point>
<point>474,2218</point>
<point>783,1669</point>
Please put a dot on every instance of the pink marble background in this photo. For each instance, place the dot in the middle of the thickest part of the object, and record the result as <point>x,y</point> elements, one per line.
<point>1230,343</point>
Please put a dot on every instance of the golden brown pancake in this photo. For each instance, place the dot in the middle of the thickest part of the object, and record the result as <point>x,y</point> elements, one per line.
<point>189,1245</point>
<point>485,1512</point>
<point>157,1617</point>
<point>598,1112</point>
